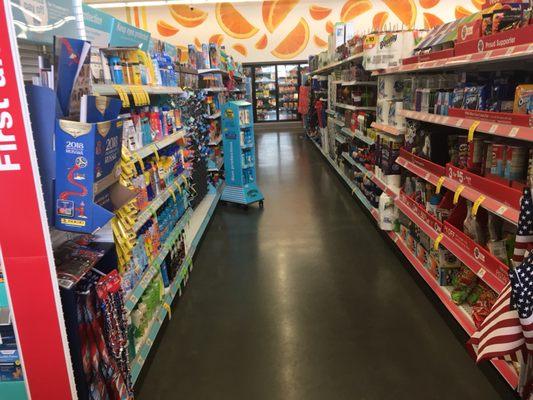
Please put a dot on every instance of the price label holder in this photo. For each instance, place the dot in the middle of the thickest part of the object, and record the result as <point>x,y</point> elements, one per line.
<point>437,241</point>
<point>477,203</point>
<point>471,130</point>
<point>439,184</point>
<point>460,188</point>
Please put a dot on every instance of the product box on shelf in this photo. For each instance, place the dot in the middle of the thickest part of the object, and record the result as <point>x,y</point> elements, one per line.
<point>513,37</point>
<point>87,161</point>
<point>339,32</point>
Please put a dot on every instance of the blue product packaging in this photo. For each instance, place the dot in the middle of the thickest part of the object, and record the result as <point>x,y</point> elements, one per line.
<point>72,55</point>
<point>164,274</point>
<point>87,160</point>
<point>99,108</point>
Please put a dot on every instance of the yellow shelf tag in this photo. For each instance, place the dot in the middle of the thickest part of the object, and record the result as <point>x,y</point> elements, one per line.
<point>439,184</point>
<point>185,180</point>
<point>155,152</point>
<point>171,188</point>
<point>457,193</point>
<point>437,241</point>
<point>476,205</point>
<point>166,306</point>
<point>139,160</point>
<point>471,130</point>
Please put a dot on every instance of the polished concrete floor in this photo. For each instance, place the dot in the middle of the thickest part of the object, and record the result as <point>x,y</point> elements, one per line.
<point>305,300</point>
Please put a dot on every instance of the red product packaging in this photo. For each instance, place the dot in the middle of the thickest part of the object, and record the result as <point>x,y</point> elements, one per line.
<point>469,31</point>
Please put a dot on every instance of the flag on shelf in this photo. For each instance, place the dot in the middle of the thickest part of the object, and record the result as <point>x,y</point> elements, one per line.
<point>524,233</point>
<point>507,332</point>
<point>500,335</point>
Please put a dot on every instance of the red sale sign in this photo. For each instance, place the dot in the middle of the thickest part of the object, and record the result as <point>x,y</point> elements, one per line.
<point>25,247</point>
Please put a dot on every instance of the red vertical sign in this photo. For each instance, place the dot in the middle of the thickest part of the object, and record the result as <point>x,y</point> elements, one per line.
<point>24,240</point>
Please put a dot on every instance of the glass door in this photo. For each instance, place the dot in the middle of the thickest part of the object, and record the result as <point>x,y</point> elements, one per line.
<point>288,85</point>
<point>265,93</point>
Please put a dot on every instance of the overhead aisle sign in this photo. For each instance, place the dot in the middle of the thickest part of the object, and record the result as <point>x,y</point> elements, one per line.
<point>25,247</point>
<point>98,26</point>
<point>124,34</point>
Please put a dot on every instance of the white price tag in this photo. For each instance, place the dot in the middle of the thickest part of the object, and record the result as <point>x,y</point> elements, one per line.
<point>493,128</point>
<point>514,132</point>
<point>481,272</point>
<point>501,210</point>
<point>459,122</point>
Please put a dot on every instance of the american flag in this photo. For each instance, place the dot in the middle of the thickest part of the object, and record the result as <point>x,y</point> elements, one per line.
<point>500,334</point>
<point>507,332</point>
<point>524,233</point>
<point>522,297</point>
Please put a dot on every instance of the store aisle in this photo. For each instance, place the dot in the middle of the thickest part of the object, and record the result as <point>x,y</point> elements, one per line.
<point>304,300</point>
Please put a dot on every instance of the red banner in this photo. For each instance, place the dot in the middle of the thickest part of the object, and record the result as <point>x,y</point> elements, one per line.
<point>27,254</point>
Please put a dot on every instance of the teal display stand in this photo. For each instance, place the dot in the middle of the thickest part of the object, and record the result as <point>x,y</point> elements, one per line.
<point>239,154</point>
<point>12,390</point>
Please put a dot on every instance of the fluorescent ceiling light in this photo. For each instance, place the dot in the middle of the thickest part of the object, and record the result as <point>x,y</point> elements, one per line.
<point>159,3</point>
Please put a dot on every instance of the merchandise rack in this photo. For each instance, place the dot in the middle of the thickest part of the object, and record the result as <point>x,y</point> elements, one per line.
<point>159,318</point>
<point>153,269</point>
<point>110,90</point>
<point>330,67</point>
<point>200,219</point>
<point>387,129</point>
<point>487,127</point>
<point>157,202</point>
<point>474,60</point>
<point>159,145</point>
<point>443,293</point>
<point>434,174</point>
<point>357,134</point>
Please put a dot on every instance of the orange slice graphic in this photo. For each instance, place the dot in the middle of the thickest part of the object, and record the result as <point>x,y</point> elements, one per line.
<point>319,42</point>
<point>431,21</point>
<point>319,12</point>
<point>329,27</point>
<point>478,4</point>
<point>198,44</point>
<point>165,29</point>
<point>354,8</point>
<point>240,49</point>
<point>261,43</point>
<point>275,11</point>
<point>294,43</point>
<point>187,16</point>
<point>429,3</point>
<point>379,20</point>
<point>233,23</point>
<point>461,12</point>
<point>217,38</point>
<point>405,10</point>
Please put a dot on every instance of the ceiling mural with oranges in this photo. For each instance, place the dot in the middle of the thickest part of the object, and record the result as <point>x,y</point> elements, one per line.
<point>280,30</point>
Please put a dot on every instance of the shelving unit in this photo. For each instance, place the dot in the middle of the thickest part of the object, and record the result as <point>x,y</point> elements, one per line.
<point>155,325</point>
<point>330,67</point>
<point>487,127</point>
<point>153,268</point>
<point>109,90</point>
<point>499,197</point>
<point>159,145</point>
<point>504,55</point>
